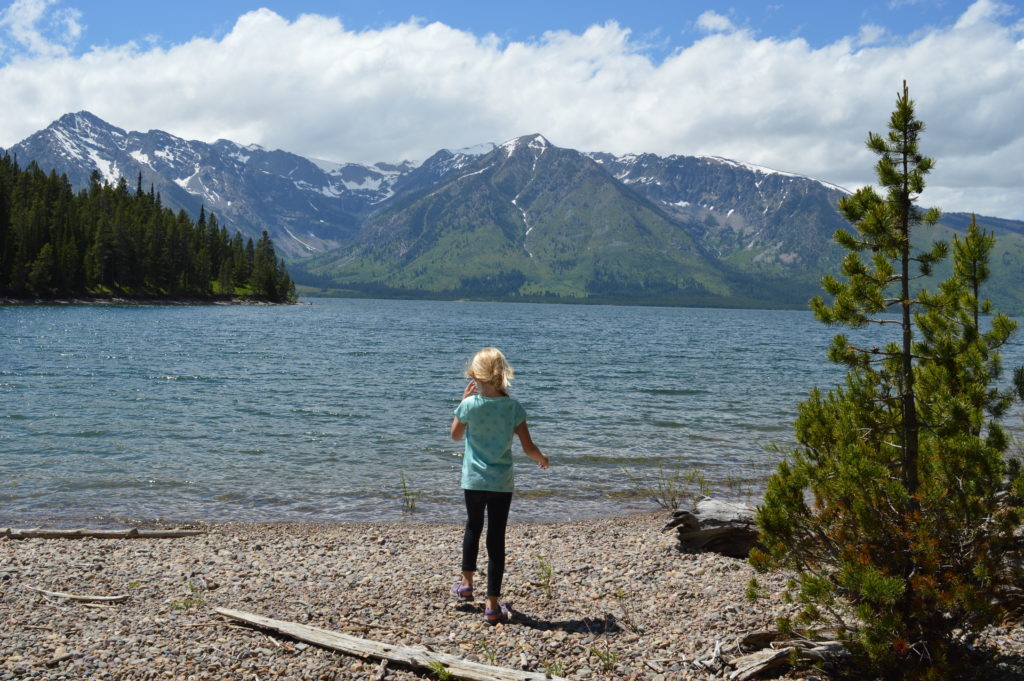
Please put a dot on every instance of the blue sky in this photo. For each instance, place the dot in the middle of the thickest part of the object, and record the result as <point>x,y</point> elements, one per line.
<point>790,85</point>
<point>663,25</point>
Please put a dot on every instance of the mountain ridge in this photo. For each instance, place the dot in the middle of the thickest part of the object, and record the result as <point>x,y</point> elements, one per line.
<point>524,219</point>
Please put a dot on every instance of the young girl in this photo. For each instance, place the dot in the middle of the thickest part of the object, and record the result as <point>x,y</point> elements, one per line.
<point>488,417</point>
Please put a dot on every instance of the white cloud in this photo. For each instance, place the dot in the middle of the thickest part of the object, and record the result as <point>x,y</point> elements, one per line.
<point>313,87</point>
<point>713,22</point>
<point>39,30</point>
<point>982,11</point>
<point>870,34</point>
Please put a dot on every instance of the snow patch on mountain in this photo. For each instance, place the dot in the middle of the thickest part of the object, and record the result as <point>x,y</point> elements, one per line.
<point>481,149</point>
<point>292,235</point>
<point>535,142</point>
<point>763,170</point>
<point>377,179</point>
<point>539,142</point>
<point>509,147</point>
<point>329,167</point>
<point>476,172</point>
<point>108,169</point>
<point>370,183</point>
<point>186,182</point>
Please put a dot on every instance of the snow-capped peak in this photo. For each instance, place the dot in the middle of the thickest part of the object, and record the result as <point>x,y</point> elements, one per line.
<point>762,170</point>
<point>536,142</point>
<point>476,150</point>
<point>539,142</point>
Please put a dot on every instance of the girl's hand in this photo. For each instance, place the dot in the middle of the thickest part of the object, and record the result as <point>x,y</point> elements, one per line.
<point>543,461</point>
<point>470,389</point>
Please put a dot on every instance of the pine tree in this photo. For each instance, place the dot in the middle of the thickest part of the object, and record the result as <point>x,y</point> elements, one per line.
<point>108,238</point>
<point>888,509</point>
<point>42,273</point>
<point>264,274</point>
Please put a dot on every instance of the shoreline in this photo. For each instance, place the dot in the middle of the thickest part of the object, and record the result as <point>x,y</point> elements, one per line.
<point>397,517</point>
<point>410,520</point>
<point>606,598</point>
<point>139,301</point>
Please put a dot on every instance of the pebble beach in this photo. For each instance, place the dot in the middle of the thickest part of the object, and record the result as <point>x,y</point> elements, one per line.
<point>597,599</point>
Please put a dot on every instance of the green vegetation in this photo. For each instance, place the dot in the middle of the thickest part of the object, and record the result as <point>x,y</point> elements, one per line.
<point>108,240</point>
<point>578,235</point>
<point>409,495</point>
<point>607,657</point>
<point>890,512</point>
<point>545,574</point>
<point>194,599</point>
<point>554,669</point>
<point>489,652</point>
<point>670,490</point>
<point>440,672</point>
<point>628,618</point>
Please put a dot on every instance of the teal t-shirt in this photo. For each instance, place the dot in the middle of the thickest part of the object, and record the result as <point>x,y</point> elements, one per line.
<point>490,425</point>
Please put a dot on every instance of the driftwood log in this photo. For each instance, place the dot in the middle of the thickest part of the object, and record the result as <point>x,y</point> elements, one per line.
<point>757,664</point>
<point>361,647</point>
<point>718,526</point>
<point>133,533</point>
<point>764,653</point>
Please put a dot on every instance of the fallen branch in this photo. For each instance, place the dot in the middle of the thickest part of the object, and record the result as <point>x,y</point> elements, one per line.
<point>789,652</point>
<point>78,597</point>
<point>133,533</point>
<point>412,657</point>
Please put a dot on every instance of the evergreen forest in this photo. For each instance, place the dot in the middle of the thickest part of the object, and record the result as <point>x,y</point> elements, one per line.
<point>108,240</point>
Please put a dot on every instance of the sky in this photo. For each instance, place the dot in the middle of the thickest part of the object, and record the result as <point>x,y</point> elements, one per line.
<point>794,86</point>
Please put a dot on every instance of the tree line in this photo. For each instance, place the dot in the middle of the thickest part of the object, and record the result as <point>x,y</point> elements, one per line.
<point>112,240</point>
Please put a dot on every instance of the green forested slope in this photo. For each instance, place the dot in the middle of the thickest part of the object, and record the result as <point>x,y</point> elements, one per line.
<point>528,221</point>
<point>109,240</point>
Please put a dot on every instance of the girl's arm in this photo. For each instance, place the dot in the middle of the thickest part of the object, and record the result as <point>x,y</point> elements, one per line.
<point>458,429</point>
<point>531,450</point>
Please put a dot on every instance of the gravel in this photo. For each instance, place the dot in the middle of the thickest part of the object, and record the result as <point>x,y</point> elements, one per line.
<point>619,602</point>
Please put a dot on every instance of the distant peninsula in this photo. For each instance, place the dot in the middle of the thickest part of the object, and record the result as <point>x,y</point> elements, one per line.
<point>109,243</point>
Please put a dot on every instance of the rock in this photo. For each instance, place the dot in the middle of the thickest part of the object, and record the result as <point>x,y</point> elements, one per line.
<point>718,526</point>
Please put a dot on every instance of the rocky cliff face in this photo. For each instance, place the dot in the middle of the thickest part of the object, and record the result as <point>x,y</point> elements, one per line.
<point>758,219</point>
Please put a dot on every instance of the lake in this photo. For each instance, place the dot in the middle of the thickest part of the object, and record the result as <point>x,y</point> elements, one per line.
<point>171,414</point>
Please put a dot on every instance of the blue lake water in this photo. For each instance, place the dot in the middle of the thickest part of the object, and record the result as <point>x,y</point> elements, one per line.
<point>113,414</point>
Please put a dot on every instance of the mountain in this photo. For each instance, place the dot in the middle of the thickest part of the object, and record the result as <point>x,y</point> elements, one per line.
<point>754,218</point>
<point>532,219</point>
<point>306,206</point>
<point>521,220</point>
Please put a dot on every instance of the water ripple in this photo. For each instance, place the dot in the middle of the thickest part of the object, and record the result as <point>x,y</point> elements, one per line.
<point>312,413</point>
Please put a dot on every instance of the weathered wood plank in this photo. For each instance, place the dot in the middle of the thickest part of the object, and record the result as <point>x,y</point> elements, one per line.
<point>413,657</point>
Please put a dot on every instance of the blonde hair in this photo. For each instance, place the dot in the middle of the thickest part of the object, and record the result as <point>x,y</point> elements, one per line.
<point>490,366</point>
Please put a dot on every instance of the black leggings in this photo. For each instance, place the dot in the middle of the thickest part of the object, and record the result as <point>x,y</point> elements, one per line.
<point>497,505</point>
